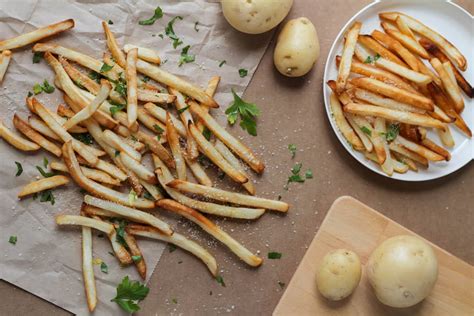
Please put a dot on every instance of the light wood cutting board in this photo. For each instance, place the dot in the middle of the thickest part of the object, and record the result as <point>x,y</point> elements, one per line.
<point>352,225</point>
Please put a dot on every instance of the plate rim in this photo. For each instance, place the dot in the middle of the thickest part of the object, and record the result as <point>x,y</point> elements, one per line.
<point>336,130</point>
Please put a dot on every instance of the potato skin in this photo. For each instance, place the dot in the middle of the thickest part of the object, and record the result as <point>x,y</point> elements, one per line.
<point>255,16</point>
<point>297,48</point>
<point>402,271</point>
<point>339,274</point>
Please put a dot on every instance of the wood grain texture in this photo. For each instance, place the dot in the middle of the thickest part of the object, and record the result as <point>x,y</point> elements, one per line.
<point>354,226</point>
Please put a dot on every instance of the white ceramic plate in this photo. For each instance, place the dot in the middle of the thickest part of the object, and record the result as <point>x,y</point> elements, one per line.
<point>456,25</point>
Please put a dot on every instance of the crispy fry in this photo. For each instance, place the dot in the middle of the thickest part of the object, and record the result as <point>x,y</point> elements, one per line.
<point>134,182</point>
<point>113,46</point>
<point>415,25</point>
<point>173,81</point>
<point>446,137</point>
<point>347,53</point>
<point>15,140</point>
<point>403,117</point>
<point>173,141</point>
<point>396,47</point>
<point>403,27</point>
<point>375,46</point>
<point>420,150</point>
<point>131,76</point>
<point>209,150</point>
<point>43,184</point>
<point>209,227</point>
<point>85,221</point>
<point>152,189</point>
<point>198,171</point>
<point>375,138</point>
<point>155,147</point>
<point>393,92</point>
<point>178,240</point>
<point>235,145</point>
<point>150,122</point>
<point>341,122</point>
<point>88,269</point>
<point>146,95</point>
<point>39,126</point>
<point>114,141</point>
<point>79,78</point>
<point>136,167</point>
<point>93,174</point>
<point>5,58</point>
<point>210,90</point>
<point>36,35</point>
<point>135,251</point>
<point>130,213</point>
<point>160,114</point>
<point>436,148</point>
<point>450,86</point>
<point>360,133</point>
<point>439,114</point>
<point>376,99</point>
<point>36,137</point>
<point>406,40</point>
<point>380,129</point>
<point>145,54</point>
<point>95,188</point>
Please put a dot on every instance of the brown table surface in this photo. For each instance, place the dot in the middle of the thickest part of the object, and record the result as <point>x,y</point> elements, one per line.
<point>293,112</point>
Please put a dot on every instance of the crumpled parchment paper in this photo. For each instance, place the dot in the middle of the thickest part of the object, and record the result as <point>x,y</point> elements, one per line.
<point>46,260</point>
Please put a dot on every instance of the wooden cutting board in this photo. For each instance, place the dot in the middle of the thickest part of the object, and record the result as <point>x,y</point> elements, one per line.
<point>352,225</point>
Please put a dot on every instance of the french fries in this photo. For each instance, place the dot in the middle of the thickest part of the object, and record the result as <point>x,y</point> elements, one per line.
<point>396,46</point>
<point>420,150</point>
<point>383,52</point>
<point>36,35</point>
<point>173,141</point>
<point>131,77</point>
<point>85,221</point>
<point>136,167</point>
<point>17,141</point>
<point>146,95</point>
<point>210,90</point>
<point>36,137</point>
<point>113,46</point>
<point>156,147</point>
<point>449,85</point>
<point>144,53</point>
<point>407,41</point>
<point>43,184</point>
<point>161,114</point>
<point>5,58</point>
<point>88,269</point>
<point>93,174</point>
<point>347,53</point>
<point>376,99</point>
<point>360,133</point>
<point>114,141</point>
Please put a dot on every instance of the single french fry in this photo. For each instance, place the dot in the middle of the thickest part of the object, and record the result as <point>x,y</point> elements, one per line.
<point>403,27</point>
<point>5,58</point>
<point>43,184</point>
<point>343,125</point>
<point>93,174</point>
<point>86,222</point>
<point>160,114</point>
<point>380,129</point>
<point>383,52</point>
<point>446,137</point>
<point>150,122</point>
<point>134,182</point>
<point>36,35</point>
<point>210,90</point>
<point>152,189</point>
<point>449,70</point>
<point>420,150</point>
<point>145,54</point>
<point>415,25</point>
<point>409,154</point>
<point>212,229</point>
<point>88,269</point>
<point>114,141</point>
<point>347,53</point>
<point>436,148</point>
<point>136,167</point>
<point>198,171</point>
<point>79,78</point>
<point>393,92</point>
<point>36,137</point>
<point>360,133</point>
<point>130,213</point>
<point>156,147</point>
<point>41,127</point>
<point>131,76</point>
<point>407,41</point>
<point>113,45</point>
<point>95,188</point>
<point>450,86</point>
<point>439,114</point>
<point>146,95</point>
<point>396,47</point>
<point>137,253</point>
<point>15,140</point>
<point>376,99</point>
<point>173,141</point>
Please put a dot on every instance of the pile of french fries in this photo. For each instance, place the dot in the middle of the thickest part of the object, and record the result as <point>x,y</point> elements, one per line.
<point>393,97</point>
<point>126,127</point>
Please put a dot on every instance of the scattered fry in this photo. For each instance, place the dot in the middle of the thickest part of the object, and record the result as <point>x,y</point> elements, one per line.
<point>43,184</point>
<point>347,53</point>
<point>36,137</point>
<point>5,58</point>
<point>145,54</point>
<point>15,140</point>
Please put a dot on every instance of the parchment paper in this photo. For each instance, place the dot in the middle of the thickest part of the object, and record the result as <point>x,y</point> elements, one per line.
<point>46,259</point>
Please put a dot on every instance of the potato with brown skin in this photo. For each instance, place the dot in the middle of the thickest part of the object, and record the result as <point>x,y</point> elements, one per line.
<point>402,271</point>
<point>339,274</point>
<point>297,48</point>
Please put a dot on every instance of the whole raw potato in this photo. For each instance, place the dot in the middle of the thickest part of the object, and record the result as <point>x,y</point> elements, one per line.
<point>255,16</point>
<point>297,48</point>
<point>402,271</point>
<point>339,274</point>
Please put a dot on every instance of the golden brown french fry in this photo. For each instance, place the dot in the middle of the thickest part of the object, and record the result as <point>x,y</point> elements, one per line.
<point>235,145</point>
<point>229,156</point>
<point>114,141</point>
<point>164,176</point>
<point>407,41</point>
<point>376,99</point>
<point>130,213</point>
<point>173,81</point>
<point>93,174</point>
<point>209,150</point>
<point>396,47</point>
<point>347,53</point>
<point>137,253</point>
<point>415,25</point>
<point>450,86</point>
<point>145,54</point>
<point>446,137</point>
<point>380,129</point>
<point>198,171</point>
<point>79,78</point>
<point>113,46</point>
<point>436,148</point>
<point>131,77</point>
<point>5,58</point>
<point>95,188</point>
<point>420,150</point>
<point>88,269</point>
<point>449,70</point>
<point>360,133</point>
<point>436,52</point>
<point>173,141</point>
<point>409,154</point>
<point>177,240</point>
<point>156,147</point>
<point>341,122</point>
<point>146,95</point>
<point>375,46</point>
<point>15,140</point>
<point>160,114</point>
<point>36,35</point>
<point>136,167</point>
<point>39,126</point>
<point>134,182</point>
<point>403,27</point>
<point>212,229</point>
<point>403,117</point>
<point>85,221</point>
<point>133,142</point>
<point>210,90</point>
<point>150,122</point>
<point>91,108</point>
<point>36,137</point>
<point>152,189</point>
<point>393,92</point>
<point>43,184</point>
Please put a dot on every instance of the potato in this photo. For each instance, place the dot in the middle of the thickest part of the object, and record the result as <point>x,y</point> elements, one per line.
<point>339,274</point>
<point>255,16</point>
<point>297,48</point>
<point>402,271</point>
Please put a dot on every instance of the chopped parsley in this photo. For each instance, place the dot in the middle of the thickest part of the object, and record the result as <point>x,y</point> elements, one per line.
<point>121,87</point>
<point>281,284</point>
<point>206,132</point>
<point>137,258</point>
<point>45,162</point>
<point>159,131</point>
<point>220,280</point>
<point>196,26</point>
<point>12,240</point>
<point>110,22</point>
<point>243,72</point>
<point>47,196</point>
<point>120,237</point>
<point>129,293</point>
<point>30,94</point>
<point>274,255</point>
<point>47,87</point>
<point>370,60</point>
<point>105,68</point>
<point>169,31</point>
<point>103,267</point>
<point>117,153</point>
<point>392,132</point>
<point>292,149</point>
<point>308,174</point>
<point>158,14</point>
<point>366,130</point>
<point>37,56</point>
<point>171,247</point>
<point>146,78</point>
<point>85,138</point>
<point>44,173</point>
<point>148,196</point>
<point>247,111</point>
<point>185,57</point>
<point>19,169</point>
<point>94,76</point>
<point>295,175</point>
<point>175,301</point>
<point>222,63</point>
<point>116,107</point>
<point>180,111</point>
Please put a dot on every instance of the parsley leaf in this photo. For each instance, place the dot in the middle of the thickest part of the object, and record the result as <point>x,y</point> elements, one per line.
<point>44,173</point>
<point>103,267</point>
<point>159,130</point>
<point>137,258</point>
<point>308,174</point>
<point>274,255</point>
<point>116,107</point>
<point>169,31</point>
<point>47,196</point>
<point>175,301</point>
<point>376,57</point>
<point>247,111</point>
<point>47,87</point>
<point>195,26</point>
<point>185,57</point>
<point>148,196</point>
<point>120,237</point>
<point>37,57</point>
<point>94,76</point>
<point>146,78</point>
<point>37,89</point>
<point>157,15</point>
<point>12,240</point>
<point>392,132</point>
<point>110,22</point>
<point>129,293</point>
<point>296,168</point>
<point>220,280</point>
<point>366,130</point>
<point>171,247</point>
<point>206,132</point>
<point>292,149</point>
<point>105,68</point>
<point>30,94</point>
<point>19,169</point>
<point>183,109</point>
<point>368,60</point>
<point>281,284</point>
<point>45,162</point>
<point>243,72</point>
<point>121,87</point>
<point>222,63</point>
<point>296,177</point>
<point>85,138</point>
